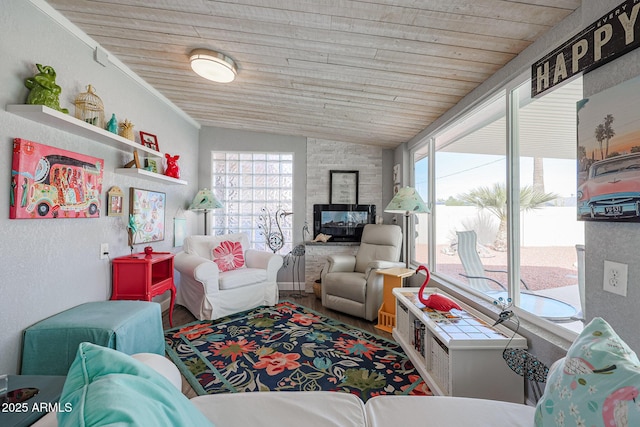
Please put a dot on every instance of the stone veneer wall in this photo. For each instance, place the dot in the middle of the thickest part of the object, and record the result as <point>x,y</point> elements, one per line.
<point>322,157</point>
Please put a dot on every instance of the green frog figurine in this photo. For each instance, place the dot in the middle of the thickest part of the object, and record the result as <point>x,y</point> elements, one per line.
<point>44,90</point>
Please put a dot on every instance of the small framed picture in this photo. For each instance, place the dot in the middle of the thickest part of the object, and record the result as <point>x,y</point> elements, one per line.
<point>114,201</point>
<point>396,174</point>
<point>343,187</point>
<point>149,140</point>
<point>151,165</point>
<point>147,208</point>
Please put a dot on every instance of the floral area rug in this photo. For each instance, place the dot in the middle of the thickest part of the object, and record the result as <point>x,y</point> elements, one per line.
<point>290,348</point>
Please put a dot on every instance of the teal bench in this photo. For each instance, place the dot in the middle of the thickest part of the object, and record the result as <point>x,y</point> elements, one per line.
<point>50,345</point>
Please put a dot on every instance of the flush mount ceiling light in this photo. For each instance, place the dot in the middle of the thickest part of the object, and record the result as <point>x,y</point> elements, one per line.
<point>212,65</point>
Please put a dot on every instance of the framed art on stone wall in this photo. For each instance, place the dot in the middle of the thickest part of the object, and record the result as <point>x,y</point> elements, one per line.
<point>48,182</point>
<point>343,187</point>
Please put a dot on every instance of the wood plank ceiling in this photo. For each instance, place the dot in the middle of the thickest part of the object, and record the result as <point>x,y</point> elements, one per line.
<point>369,71</point>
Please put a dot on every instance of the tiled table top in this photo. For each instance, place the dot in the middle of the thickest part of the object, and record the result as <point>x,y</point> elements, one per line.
<point>462,327</point>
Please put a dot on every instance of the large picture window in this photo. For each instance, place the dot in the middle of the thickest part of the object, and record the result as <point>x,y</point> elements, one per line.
<point>253,188</point>
<point>509,144</point>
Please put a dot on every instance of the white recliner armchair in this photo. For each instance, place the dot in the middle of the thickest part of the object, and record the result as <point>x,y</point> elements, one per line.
<point>210,293</point>
<point>350,283</point>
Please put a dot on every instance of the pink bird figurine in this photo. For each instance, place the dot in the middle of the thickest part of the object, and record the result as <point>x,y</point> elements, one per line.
<point>435,301</point>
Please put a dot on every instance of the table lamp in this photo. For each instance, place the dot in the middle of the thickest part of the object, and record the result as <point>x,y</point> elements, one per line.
<point>205,201</point>
<point>407,201</point>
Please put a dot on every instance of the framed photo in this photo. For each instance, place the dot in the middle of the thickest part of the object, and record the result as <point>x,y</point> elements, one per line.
<point>151,165</point>
<point>343,187</point>
<point>149,140</point>
<point>147,210</point>
<point>115,198</point>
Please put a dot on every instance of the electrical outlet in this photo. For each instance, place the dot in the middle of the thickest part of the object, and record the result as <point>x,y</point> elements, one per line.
<point>104,250</point>
<point>615,277</point>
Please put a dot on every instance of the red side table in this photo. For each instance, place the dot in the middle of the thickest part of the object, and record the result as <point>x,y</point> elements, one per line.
<point>141,277</point>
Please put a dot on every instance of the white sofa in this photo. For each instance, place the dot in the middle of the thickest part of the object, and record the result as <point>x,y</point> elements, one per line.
<point>210,293</point>
<point>335,409</point>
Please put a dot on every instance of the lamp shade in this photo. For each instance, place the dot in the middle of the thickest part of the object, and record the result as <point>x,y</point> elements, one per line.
<point>205,200</point>
<point>406,201</point>
<point>212,65</point>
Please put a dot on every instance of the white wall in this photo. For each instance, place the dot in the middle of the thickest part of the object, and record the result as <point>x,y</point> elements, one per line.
<point>49,265</point>
<point>612,241</point>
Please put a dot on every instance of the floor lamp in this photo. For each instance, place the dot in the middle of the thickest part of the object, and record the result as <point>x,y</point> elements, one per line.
<point>205,201</point>
<point>407,201</point>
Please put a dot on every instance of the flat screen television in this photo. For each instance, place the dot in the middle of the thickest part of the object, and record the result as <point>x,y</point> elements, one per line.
<point>343,222</point>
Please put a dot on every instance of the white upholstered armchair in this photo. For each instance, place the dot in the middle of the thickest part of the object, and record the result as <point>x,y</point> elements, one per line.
<point>350,283</point>
<point>209,292</point>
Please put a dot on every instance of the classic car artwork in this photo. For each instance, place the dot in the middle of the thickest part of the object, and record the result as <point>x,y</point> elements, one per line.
<point>612,189</point>
<point>48,182</point>
<point>608,154</point>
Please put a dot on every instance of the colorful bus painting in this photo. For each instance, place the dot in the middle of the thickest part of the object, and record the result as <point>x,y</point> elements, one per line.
<point>47,182</point>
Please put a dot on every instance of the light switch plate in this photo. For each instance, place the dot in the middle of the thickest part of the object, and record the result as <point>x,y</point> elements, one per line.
<point>615,277</point>
<point>104,251</point>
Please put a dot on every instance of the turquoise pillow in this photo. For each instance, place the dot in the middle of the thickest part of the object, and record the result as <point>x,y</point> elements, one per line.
<point>107,387</point>
<point>596,384</point>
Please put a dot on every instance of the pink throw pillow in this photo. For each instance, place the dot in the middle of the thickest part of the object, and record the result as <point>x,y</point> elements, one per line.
<point>228,255</point>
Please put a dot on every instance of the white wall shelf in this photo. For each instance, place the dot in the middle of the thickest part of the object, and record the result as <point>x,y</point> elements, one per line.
<point>54,118</point>
<point>143,173</point>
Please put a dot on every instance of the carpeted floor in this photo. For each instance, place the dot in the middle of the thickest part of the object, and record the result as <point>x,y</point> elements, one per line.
<point>289,348</point>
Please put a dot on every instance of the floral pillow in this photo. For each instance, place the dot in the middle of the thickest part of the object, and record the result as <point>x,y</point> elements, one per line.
<point>228,255</point>
<point>597,384</point>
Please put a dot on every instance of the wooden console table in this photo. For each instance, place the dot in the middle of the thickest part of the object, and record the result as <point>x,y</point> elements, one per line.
<point>458,353</point>
<point>387,312</point>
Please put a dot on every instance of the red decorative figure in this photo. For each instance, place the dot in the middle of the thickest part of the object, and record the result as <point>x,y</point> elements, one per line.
<point>435,301</point>
<point>173,170</point>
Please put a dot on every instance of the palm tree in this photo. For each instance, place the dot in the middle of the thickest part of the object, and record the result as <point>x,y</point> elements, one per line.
<point>604,132</point>
<point>494,199</point>
<point>608,131</point>
<point>600,137</point>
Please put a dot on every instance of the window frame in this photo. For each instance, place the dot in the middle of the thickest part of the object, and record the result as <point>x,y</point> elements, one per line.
<point>512,179</point>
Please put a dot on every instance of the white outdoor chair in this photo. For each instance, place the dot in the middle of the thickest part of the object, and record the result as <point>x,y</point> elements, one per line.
<point>540,305</point>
